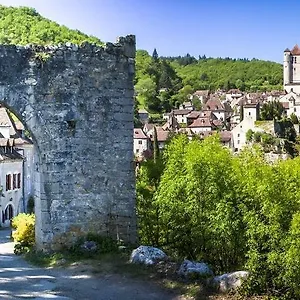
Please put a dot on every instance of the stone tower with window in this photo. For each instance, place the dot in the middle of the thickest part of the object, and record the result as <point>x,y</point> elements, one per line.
<point>291,70</point>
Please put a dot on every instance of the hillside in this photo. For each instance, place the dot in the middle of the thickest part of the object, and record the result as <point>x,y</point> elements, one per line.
<point>23,25</point>
<point>165,82</point>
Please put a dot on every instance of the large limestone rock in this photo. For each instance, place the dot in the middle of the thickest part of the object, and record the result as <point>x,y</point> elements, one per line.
<point>147,255</point>
<point>189,268</point>
<point>230,281</point>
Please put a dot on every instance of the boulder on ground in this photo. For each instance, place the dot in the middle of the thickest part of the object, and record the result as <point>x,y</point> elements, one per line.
<point>147,255</point>
<point>230,281</point>
<point>190,268</point>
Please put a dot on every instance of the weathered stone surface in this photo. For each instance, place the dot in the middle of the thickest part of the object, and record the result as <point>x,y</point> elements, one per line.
<point>77,102</point>
<point>230,281</point>
<point>189,268</point>
<point>147,255</point>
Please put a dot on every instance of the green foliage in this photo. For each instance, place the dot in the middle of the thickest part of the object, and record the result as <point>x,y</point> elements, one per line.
<point>271,110</point>
<point>24,232</point>
<point>294,119</point>
<point>249,135</point>
<point>104,245</point>
<point>233,212</point>
<point>23,25</point>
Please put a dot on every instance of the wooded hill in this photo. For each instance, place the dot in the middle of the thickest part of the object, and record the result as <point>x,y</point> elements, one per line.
<point>23,25</point>
<point>165,82</point>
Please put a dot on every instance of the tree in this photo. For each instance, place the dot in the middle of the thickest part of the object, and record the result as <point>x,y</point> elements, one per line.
<point>271,110</point>
<point>155,146</point>
<point>294,119</point>
<point>155,55</point>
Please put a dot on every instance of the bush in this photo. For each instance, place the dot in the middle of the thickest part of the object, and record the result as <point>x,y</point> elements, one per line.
<point>24,232</point>
<point>103,245</point>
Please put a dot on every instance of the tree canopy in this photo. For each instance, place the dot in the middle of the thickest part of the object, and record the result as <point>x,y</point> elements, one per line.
<point>24,25</point>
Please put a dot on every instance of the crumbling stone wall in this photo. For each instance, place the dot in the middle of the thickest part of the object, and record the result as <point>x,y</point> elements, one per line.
<point>77,102</point>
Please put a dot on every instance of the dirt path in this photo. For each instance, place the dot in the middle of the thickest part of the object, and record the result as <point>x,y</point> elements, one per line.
<point>20,280</point>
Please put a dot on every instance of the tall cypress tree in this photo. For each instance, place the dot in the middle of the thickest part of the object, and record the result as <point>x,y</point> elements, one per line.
<point>155,146</point>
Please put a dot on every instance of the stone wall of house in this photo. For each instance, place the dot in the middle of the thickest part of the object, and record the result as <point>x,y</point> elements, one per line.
<point>77,102</point>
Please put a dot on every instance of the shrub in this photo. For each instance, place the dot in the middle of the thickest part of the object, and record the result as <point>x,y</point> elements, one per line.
<point>24,232</point>
<point>103,245</point>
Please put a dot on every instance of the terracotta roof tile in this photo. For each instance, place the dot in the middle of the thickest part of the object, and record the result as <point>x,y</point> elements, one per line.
<point>139,134</point>
<point>296,50</point>
<point>201,122</point>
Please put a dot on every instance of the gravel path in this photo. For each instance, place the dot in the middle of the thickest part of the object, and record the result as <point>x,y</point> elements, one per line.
<point>20,280</point>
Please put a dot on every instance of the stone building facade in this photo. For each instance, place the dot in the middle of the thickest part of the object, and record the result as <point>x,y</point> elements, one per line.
<point>77,103</point>
<point>291,70</point>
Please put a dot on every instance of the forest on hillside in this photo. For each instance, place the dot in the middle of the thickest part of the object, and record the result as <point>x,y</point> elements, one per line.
<point>164,82</point>
<point>24,25</point>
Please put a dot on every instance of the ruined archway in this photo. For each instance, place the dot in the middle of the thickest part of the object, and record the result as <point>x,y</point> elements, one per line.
<point>77,102</point>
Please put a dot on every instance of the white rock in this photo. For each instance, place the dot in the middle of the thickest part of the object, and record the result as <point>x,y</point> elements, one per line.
<point>230,281</point>
<point>147,255</point>
<point>190,267</point>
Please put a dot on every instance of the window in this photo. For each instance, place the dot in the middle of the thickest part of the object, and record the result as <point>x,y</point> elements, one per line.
<point>295,60</point>
<point>19,181</point>
<point>238,141</point>
<point>140,142</point>
<point>238,135</point>
<point>14,181</point>
<point>8,182</point>
<point>295,109</point>
<point>249,113</point>
<point>137,150</point>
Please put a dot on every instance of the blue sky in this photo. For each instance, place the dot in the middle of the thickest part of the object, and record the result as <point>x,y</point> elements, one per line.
<point>217,28</point>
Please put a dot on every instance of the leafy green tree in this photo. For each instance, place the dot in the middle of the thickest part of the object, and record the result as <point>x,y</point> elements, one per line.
<point>271,110</point>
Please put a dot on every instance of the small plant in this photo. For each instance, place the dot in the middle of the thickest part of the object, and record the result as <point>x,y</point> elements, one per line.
<point>42,56</point>
<point>24,232</point>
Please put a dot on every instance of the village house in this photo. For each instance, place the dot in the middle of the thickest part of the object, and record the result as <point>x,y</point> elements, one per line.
<point>233,94</point>
<point>216,107</point>
<point>250,116</point>
<point>187,105</point>
<point>141,142</point>
<point>202,95</point>
<point>16,167</point>
<point>291,103</point>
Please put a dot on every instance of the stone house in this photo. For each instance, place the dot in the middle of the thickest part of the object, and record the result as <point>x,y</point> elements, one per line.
<point>291,103</point>
<point>216,107</point>
<point>141,142</point>
<point>202,95</point>
<point>250,116</point>
<point>16,167</point>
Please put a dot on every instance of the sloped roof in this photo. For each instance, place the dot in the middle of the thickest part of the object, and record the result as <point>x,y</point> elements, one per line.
<point>194,114</point>
<point>181,111</point>
<point>139,134</point>
<point>214,104</point>
<point>201,122</point>
<point>162,135</point>
<point>296,50</point>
